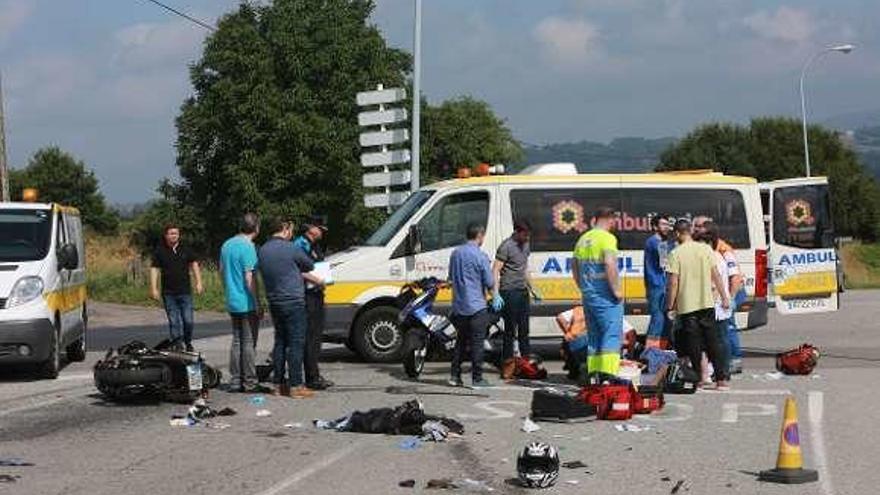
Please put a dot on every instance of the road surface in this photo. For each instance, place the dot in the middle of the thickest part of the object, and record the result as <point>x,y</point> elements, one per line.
<point>708,443</point>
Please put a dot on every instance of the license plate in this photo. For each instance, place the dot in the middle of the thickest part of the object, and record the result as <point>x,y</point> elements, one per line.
<point>807,304</point>
<point>194,373</point>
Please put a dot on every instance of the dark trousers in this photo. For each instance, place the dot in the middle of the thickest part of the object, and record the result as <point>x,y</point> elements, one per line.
<point>179,310</point>
<point>290,322</point>
<point>314,335</point>
<point>517,309</point>
<point>471,332</point>
<point>700,332</point>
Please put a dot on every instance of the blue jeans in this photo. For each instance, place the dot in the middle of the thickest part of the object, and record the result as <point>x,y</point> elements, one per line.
<point>290,321</point>
<point>660,327</point>
<point>179,309</point>
<point>732,332</point>
<point>517,308</point>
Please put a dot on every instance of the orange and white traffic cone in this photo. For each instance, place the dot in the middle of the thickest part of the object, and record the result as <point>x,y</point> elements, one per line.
<point>790,463</point>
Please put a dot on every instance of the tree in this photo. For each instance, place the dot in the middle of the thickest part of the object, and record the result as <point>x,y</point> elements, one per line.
<point>272,126</point>
<point>61,178</point>
<point>464,132</point>
<point>771,148</point>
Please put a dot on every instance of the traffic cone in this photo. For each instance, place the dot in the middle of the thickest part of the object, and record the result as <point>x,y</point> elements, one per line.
<point>790,463</point>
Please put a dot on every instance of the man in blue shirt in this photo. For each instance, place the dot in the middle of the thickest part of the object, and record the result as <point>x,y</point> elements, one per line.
<point>238,264</point>
<point>312,233</point>
<point>283,267</point>
<point>656,254</point>
<point>471,276</point>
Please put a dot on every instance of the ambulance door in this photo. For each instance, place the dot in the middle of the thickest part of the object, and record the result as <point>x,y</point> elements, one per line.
<point>802,260</point>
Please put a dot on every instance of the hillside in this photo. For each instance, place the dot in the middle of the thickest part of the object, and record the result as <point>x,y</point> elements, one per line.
<point>630,154</point>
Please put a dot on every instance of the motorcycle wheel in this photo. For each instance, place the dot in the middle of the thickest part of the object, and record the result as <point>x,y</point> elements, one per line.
<point>414,361</point>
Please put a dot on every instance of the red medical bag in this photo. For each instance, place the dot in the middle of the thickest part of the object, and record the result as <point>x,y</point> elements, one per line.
<point>612,402</point>
<point>799,361</point>
<point>647,399</point>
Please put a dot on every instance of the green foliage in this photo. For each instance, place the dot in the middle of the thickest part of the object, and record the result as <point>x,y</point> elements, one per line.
<point>772,148</point>
<point>463,131</point>
<point>61,178</point>
<point>272,126</point>
<point>147,228</point>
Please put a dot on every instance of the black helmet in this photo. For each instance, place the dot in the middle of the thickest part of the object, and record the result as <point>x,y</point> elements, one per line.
<point>538,465</point>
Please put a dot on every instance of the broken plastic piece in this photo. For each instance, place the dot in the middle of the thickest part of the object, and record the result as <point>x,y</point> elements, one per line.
<point>13,462</point>
<point>529,426</point>
<point>574,465</point>
<point>632,427</point>
<point>293,425</point>
<point>264,413</point>
<point>407,484</point>
<point>257,400</point>
<point>409,443</point>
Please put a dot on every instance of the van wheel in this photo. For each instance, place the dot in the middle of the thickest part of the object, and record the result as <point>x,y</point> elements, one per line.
<point>378,336</point>
<point>52,365</point>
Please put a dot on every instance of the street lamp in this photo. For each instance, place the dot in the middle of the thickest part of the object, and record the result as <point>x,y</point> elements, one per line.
<point>416,98</point>
<point>844,48</point>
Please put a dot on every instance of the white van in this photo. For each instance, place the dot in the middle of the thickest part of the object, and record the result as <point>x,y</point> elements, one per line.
<point>42,286</point>
<point>419,237</point>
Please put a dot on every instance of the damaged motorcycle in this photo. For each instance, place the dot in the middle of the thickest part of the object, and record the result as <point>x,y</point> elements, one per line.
<point>166,371</point>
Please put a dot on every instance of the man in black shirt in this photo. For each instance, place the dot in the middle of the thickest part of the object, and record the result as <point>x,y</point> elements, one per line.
<point>174,262</point>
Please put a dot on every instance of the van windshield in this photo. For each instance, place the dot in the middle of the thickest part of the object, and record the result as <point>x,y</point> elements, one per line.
<point>399,218</point>
<point>24,234</point>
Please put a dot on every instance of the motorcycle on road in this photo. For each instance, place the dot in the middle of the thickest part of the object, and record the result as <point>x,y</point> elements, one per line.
<point>428,334</point>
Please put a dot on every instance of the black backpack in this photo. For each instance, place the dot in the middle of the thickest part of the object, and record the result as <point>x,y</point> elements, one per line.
<point>681,379</point>
<point>550,404</point>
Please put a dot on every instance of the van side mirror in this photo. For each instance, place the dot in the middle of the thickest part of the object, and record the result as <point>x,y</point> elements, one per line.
<point>413,241</point>
<point>68,257</point>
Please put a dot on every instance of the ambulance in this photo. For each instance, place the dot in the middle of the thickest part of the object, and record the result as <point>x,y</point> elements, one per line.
<point>418,238</point>
<point>43,312</point>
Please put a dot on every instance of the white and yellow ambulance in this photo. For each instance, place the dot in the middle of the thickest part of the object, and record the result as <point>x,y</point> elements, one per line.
<point>417,240</point>
<point>42,286</point>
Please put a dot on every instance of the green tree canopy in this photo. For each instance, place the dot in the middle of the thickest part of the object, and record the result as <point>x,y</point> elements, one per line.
<point>272,126</point>
<point>464,132</point>
<point>61,178</point>
<point>771,148</point>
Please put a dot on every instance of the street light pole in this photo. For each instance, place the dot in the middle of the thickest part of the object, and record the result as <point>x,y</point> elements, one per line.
<point>816,56</point>
<point>417,97</point>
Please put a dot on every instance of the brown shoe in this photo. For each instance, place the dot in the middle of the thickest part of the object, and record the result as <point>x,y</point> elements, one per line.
<point>281,390</point>
<point>301,393</point>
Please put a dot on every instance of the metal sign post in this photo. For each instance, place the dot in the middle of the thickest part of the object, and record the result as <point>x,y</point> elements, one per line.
<point>378,143</point>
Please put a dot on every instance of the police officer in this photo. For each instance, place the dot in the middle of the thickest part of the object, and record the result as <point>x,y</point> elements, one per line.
<point>312,232</point>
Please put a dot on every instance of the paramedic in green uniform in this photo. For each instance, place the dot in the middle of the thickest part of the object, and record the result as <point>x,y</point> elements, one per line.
<point>595,272</point>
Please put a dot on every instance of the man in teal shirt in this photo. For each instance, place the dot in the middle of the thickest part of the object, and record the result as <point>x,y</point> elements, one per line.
<point>238,264</point>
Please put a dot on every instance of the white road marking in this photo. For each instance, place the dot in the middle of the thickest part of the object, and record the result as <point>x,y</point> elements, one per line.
<point>749,392</point>
<point>324,463</point>
<point>490,407</point>
<point>816,408</point>
<point>731,411</point>
<point>77,376</point>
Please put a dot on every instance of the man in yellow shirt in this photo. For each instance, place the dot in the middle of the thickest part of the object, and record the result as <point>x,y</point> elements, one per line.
<point>692,275</point>
<point>594,269</point>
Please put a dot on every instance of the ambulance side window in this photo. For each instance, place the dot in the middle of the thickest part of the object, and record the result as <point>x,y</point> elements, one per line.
<point>61,236</point>
<point>446,224</point>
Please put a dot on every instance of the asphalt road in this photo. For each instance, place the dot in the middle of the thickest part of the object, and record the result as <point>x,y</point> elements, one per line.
<point>709,443</point>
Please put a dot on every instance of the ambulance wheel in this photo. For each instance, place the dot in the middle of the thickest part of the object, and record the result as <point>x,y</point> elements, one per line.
<point>76,352</point>
<point>52,365</point>
<point>377,335</point>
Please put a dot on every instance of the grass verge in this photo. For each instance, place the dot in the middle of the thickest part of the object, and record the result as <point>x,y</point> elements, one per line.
<point>861,264</point>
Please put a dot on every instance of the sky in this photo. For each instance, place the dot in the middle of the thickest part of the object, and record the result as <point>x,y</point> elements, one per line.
<point>104,79</point>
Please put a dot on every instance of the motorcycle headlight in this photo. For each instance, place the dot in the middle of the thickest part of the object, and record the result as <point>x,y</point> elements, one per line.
<point>25,290</point>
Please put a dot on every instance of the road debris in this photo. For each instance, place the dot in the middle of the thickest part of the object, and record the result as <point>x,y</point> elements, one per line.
<point>409,443</point>
<point>257,400</point>
<point>407,484</point>
<point>227,411</point>
<point>530,426</point>
<point>631,427</point>
<point>179,421</point>
<point>573,465</point>
<point>14,462</point>
<point>679,485</point>
<point>9,478</point>
<point>573,482</point>
<point>441,484</point>
<point>264,413</point>
<point>293,425</point>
